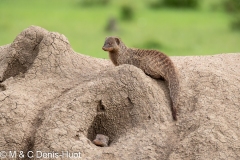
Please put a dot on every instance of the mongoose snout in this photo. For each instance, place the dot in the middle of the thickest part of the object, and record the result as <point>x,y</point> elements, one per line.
<point>106,49</point>
<point>101,140</point>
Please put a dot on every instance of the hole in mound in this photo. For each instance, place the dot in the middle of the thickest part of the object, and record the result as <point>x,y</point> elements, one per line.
<point>2,87</point>
<point>112,121</point>
<point>149,117</point>
<point>100,107</point>
<point>129,100</point>
<point>101,125</point>
<point>76,137</point>
<point>15,67</point>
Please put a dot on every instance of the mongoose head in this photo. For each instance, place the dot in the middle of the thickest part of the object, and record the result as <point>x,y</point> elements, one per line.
<point>111,44</point>
<point>101,140</point>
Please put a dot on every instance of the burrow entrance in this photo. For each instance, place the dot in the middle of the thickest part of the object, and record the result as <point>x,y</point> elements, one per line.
<point>112,121</point>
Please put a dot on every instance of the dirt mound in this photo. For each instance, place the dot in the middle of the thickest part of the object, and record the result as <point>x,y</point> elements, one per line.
<point>53,100</point>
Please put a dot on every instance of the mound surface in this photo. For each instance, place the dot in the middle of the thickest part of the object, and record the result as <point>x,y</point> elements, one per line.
<point>53,99</point>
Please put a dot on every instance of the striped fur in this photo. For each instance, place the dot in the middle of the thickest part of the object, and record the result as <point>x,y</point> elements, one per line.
<point>154,63</point>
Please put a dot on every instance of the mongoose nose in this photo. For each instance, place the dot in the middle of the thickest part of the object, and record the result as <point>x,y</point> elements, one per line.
<point>104,48</point>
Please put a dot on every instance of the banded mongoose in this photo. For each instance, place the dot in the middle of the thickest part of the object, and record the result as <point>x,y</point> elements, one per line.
<point>154,63</point>
<point>101,140</point>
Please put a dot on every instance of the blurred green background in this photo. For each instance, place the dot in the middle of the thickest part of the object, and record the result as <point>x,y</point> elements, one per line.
<point>200,28</point>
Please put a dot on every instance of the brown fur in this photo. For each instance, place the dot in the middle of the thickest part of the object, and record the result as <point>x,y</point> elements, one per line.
<point>101,140</point>
<point>154,63</point>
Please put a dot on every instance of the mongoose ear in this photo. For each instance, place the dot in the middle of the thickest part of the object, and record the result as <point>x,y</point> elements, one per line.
<point>117,40</point>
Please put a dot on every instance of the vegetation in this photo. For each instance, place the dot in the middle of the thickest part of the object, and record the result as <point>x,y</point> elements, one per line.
<point>127,12</point>
<point>173,31</point>
<point>151,44</point>
<point>181,3</point>
<point>233,7</point>
<point>94,2</point>
<point>193,4</point>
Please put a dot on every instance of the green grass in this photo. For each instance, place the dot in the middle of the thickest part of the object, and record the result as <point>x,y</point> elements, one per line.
<point>178,32</point>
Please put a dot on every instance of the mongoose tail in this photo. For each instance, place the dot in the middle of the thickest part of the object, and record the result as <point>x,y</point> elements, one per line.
<point>173,85</point>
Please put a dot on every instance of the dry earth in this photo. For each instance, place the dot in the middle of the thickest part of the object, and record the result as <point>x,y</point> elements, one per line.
<point>53,99</point>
